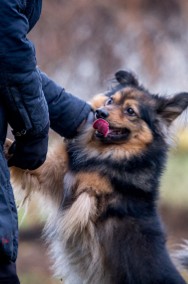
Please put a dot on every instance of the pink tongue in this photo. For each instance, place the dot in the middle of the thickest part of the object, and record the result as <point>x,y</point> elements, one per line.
<point>102,126</point>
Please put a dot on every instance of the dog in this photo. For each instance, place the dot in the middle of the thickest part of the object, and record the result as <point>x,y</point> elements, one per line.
<point>102,189</point>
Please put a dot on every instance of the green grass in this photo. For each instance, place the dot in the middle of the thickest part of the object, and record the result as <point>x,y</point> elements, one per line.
<point>174,185</point>
<point>38,278</point>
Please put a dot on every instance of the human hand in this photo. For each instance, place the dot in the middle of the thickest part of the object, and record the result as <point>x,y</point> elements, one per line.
<point>28,152</point>
<point>87,121</point>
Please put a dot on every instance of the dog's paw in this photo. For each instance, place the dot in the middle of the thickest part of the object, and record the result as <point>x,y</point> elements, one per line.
<point>6,148</point>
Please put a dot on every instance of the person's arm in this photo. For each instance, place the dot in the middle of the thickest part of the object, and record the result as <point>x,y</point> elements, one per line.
<point>67,112</point>
<point>21,87</point>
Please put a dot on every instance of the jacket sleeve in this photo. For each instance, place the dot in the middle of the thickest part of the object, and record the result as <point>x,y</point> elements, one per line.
<point>20,81</point>
<point>65,110</point>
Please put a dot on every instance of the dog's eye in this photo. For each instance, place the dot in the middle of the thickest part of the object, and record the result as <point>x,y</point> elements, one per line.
<point>130,111</point>
<point>109,101</point>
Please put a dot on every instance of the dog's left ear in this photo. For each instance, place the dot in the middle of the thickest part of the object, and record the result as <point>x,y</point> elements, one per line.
<point>126,78</point>
<point>170,108</point>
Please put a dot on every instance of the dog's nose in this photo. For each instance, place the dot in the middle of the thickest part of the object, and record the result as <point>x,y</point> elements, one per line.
<point>101,113</point>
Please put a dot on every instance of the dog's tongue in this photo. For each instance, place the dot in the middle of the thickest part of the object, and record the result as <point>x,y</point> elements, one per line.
<point>102,126</point>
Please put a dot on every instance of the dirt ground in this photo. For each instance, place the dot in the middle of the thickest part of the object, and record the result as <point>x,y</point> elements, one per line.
<point>34,264</point>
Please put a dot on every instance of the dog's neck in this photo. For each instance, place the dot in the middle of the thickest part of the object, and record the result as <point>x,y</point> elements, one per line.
<point>142,172</point>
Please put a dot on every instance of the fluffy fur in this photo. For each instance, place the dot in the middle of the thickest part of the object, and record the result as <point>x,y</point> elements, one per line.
<point>103,225</point>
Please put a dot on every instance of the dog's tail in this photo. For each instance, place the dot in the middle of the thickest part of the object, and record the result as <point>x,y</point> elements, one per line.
<point>180,256</point>
<point>47,180</point>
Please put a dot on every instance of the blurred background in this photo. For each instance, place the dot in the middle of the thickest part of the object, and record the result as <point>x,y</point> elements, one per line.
<point>81,44</point>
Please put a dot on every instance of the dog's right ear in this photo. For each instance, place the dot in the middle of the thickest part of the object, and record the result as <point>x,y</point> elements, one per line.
<point>126,78</point>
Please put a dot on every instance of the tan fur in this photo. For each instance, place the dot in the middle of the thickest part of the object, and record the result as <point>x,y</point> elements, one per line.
<point>141,134</point>
<point>93,182</point>
<point>131,103</point>
<point>76,222</point>
<point>132,148</point>
<point>47,179</point>
<point>98,101</point>
<point>73,223</point>
<point>117,97</point>
<point>78,198</point>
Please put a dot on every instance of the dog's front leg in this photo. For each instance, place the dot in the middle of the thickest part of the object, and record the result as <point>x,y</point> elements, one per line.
<point>47,179</point>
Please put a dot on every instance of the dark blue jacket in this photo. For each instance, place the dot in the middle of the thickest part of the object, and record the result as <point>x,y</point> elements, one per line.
<point>28,100</point>
<point>24,84</point>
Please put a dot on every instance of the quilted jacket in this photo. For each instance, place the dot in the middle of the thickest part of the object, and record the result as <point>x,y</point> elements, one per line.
<point>28,100</point>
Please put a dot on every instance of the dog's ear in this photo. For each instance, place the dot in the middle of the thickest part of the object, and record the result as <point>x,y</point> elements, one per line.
<point>126,78</point>
<point>170,108</point>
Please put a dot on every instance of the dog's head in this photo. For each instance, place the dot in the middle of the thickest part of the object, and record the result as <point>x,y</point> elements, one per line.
<point>129,119</point>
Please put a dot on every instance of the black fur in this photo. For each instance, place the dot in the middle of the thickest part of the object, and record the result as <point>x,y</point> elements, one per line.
<point>129,226</point>
<point>126,78</point>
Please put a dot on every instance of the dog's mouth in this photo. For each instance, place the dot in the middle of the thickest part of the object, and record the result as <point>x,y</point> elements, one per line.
<point>106,132</point>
